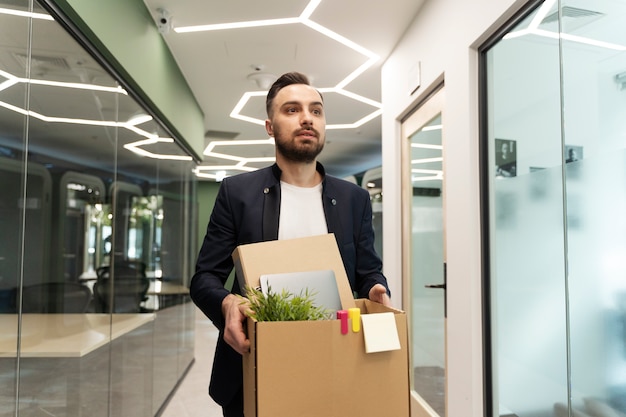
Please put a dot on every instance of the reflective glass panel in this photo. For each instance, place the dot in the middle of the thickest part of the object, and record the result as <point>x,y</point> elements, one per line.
<point>556,177</point>
<point>20,209</point>
<point>95,233</point>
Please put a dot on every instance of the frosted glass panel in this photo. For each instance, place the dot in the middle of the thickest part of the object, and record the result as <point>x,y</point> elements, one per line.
<point>557,199</point>
<point>594,99</point>
<point>529,297</point>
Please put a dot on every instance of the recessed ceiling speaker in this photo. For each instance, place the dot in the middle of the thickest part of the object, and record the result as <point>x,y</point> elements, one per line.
<point>263,80</point>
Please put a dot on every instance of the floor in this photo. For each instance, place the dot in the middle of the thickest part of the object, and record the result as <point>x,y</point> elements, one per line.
<point>191,399</point>
<point>430,382</point>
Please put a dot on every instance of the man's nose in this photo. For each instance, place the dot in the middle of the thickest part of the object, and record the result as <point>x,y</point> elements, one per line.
<point>307,117</point>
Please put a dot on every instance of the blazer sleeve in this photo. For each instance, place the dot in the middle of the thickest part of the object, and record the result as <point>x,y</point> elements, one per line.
<point>368,262</point>
<point>349,216</point>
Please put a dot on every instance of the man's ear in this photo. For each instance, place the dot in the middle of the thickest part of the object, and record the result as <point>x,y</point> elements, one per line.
<point>268,127</point>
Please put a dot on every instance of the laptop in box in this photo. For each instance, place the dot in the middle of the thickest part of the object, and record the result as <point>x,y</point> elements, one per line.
<point>321,285</point>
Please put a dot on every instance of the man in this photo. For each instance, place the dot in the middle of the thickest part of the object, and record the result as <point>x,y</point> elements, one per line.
<point>293,198</point>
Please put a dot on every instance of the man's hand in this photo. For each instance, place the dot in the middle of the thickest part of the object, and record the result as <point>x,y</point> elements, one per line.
<point>378,293</point>
<point>234,309</point>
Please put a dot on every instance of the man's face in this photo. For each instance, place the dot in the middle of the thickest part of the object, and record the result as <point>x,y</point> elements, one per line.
<point>297,123</point>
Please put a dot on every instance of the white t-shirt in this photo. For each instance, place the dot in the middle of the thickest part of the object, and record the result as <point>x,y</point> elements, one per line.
<point>301,212</point>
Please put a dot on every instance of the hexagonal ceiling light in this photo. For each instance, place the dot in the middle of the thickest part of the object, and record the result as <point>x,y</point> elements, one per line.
<point>11,80</point>
<point>304,18</point>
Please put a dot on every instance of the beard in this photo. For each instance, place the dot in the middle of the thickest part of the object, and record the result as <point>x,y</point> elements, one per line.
<point>298,152</point>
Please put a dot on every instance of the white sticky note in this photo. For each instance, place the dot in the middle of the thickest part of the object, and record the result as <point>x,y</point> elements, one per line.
<point>380,332</point>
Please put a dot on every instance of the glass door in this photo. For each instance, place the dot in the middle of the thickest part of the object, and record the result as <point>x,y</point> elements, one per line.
<point>555,99</point>
<point>424,255</point>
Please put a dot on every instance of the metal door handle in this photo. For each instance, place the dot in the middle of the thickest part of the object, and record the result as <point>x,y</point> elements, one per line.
<point>441,286</point>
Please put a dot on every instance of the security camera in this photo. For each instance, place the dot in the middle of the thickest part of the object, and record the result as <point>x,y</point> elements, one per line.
<point>163,21</point>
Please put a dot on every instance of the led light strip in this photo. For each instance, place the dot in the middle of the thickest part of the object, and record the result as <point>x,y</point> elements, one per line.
<point>12,80</point>
<point>304,19</point>
<point>131,125</point>
<point>134,146</point>
<point>25,14</point>
<point>241,161</point>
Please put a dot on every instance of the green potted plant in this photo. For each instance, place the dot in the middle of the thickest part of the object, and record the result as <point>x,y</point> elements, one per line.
<point>284,306</point>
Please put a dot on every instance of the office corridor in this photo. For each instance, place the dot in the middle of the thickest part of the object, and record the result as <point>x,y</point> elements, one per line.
<point>191,399</point>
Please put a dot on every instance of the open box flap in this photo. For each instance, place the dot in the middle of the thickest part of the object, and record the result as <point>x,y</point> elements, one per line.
<point>293,255</point>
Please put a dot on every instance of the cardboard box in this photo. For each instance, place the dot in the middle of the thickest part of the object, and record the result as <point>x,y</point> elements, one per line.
<point>308,368</point>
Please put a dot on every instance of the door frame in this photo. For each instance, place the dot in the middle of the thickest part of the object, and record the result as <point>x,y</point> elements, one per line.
<point>424,111</point>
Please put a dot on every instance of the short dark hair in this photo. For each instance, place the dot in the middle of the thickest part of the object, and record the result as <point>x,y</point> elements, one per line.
<point>283,81</point>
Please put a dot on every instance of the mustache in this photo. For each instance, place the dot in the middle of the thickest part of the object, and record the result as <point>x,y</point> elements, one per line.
<point>307,130</point>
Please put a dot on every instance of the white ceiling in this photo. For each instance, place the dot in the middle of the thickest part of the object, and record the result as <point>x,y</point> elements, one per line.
<point>216,65</point>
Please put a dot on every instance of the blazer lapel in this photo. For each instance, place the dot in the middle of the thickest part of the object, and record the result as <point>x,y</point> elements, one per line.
<point>332,215</point>
<point>271,212</point>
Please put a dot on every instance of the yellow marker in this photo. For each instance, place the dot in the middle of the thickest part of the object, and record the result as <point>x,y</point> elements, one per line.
<point>355,315</point>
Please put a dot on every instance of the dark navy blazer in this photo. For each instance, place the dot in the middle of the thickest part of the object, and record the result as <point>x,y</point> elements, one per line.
<point>247,211</point>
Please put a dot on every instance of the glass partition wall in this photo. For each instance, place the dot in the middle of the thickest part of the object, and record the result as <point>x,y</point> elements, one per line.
<point>555,145</point>
<point>96,233</point>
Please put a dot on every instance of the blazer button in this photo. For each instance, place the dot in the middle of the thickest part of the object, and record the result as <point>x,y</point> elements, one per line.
<point>266,190</point>
<point>333,202</point>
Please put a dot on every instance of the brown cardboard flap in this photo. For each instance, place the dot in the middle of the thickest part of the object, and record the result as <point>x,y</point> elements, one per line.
<point>293,255</point>
<point>371,307</point>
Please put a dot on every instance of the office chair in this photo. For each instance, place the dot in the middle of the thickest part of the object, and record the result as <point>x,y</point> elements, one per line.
<point>55,297</point>
<point>121,289</point>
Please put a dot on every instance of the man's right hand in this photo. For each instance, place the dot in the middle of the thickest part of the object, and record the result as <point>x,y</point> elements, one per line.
<point>234,309</point>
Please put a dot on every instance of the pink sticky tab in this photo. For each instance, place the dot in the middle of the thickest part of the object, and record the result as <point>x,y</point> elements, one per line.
<point>343,316</point>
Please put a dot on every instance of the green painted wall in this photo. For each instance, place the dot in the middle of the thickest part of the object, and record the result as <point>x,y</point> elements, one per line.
<point>207,192</point>
<point>124,32</point>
